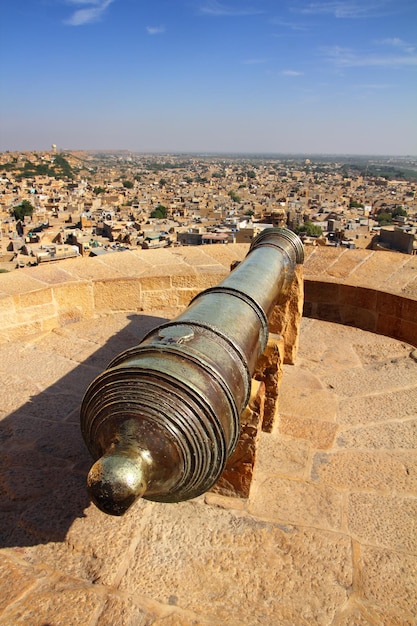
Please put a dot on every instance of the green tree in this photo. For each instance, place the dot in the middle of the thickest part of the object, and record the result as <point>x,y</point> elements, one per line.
<point>384,218</point>
<point>399,211</point>
<point>354,204</point>
<point>310,229</point>
<point>20,211</point>
<point>98,190</point>
<point>127,184</point>
<point>233,195</point>
<point>160,212</point>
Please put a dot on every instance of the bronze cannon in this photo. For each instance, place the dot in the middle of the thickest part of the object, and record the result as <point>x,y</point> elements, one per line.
<point>163,418</point>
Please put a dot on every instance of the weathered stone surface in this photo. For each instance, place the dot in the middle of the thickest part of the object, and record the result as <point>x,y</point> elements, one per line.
<point>364,470</point>
<point>57,604</point>
<point>320,434</point>
<point>385,407</point>
<point>118,295</point>
<point>269,371</point>
<point>208,562</point>
<point>236,478</point>
<point>320,260</point>
<point>317,355</point>
<point>386,521</point>
<point>154,299</point>
<point>186,618</point>
<point>392,435</point>
<point>372,348</point>
<point>15,580</point>
<point>346,263</point>
<point>120,611</point>
<point>220,547</point>
<point>389,581</point>
<point>380,377</point>
<point>278,455</point>
<point>74,295</point>
<point>377,267</point>
<point>285,317</point>
<point>296,502</point>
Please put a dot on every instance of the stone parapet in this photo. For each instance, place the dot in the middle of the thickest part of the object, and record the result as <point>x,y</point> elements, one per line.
<point>372,290</point>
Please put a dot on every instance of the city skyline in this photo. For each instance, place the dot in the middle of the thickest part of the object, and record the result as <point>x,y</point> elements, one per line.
<point>324,77</point>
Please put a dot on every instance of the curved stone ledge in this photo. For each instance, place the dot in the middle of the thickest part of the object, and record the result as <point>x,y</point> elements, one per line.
<point>371,290</point>
<point>368,309</point>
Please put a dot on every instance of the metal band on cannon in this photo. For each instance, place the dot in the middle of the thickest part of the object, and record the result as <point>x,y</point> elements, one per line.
<point>163,418</point>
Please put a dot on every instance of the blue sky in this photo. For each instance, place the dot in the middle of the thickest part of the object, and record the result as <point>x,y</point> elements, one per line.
<point>271,76</point>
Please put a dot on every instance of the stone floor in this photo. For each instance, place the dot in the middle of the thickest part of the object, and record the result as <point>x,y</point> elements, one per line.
<point>328,536</point>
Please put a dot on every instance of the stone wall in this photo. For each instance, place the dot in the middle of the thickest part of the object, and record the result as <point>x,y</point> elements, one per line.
<point>372,290</point>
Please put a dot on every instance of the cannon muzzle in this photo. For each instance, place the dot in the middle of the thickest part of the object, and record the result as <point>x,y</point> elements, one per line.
<point>163,418</point>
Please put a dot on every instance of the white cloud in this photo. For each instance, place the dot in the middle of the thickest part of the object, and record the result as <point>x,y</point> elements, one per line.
<point>345,57</point>
<point>347,9</point>
<point>92,13</point>
<point>291,73</point>
<point>215,8</point>
<point>155,30</point>
<point>290,25</point>
<point>396,42</point>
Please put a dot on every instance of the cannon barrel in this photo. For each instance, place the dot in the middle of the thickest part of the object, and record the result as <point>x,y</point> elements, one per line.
<point>163,418</point>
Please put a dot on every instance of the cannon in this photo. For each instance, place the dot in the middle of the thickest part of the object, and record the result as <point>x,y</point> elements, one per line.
<point>161,421</point>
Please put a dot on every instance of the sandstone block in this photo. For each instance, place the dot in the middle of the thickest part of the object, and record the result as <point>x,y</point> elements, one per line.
<point>382,520</point>
<point>57,604</point>
<point>281,456</point>
<point>159,299</point>
<point>295,502</point>
<point>319,433</point>
<point>34,298</point>
<point>221,546</point>
<point>15,580</point>
<point>364,470</point>
<point>70,295</point>
<point>389,582</point>
<point>155,283</point>
<point>117,295</point>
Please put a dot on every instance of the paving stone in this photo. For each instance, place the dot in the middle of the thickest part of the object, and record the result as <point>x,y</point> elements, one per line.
<point>374,348</point>
<point>318,263</point>
<point>278,455</point>
<point>391,436</point>
<point>219,546</point>
<point>296,399</point>
<point>119,611</point>
<point>386,521</point>
<point>320,434</point>
<point>376,269</point>
<point>380,377</point>
<point>15,580</point>
<point>56,605</point>
<point>31,364</point>
<point>295,502</point>
<point>389,582</point>
<point>49,273</point>
<point>383,407</point>
<point>54,499</point>
<point>340,458</point>
<point>90,546</point>
<point>367,470</point>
